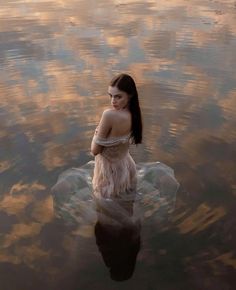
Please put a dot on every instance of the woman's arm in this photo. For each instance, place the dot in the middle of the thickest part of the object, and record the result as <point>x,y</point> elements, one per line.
<point>102,131</point>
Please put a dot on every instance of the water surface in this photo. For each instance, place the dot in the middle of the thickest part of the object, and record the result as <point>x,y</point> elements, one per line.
<point>56,59</point>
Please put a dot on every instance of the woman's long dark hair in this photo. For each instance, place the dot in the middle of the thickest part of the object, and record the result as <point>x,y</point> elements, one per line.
<point>125,83</point>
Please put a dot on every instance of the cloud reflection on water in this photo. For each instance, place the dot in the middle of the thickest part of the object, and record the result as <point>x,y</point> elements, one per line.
<point>57,58</point>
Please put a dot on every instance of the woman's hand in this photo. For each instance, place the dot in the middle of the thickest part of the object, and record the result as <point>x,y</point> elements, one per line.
<point>95,148</point>
<point>102,131</point>
<point>96,131</point>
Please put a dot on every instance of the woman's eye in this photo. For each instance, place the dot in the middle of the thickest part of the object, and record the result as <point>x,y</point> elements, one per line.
<point>116,97</point>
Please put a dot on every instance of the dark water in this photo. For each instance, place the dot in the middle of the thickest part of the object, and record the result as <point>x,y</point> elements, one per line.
<point>56,59</point>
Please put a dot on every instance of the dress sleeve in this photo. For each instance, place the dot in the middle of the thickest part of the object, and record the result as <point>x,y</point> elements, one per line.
<point>107,142</point>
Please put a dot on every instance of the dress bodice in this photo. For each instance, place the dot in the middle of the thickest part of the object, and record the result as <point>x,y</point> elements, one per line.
<point>115,148</point>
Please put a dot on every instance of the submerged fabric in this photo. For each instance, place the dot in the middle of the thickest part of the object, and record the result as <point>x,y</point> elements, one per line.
<point>115,170</point>
<point>113,189</point>
<point>112,197</point>
<point>154,199</point>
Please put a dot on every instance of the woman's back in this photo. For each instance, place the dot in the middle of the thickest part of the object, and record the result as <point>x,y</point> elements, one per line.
<point>121,123</point>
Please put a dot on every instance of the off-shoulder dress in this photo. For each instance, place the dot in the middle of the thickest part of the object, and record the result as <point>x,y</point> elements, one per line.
<point>115,169</point>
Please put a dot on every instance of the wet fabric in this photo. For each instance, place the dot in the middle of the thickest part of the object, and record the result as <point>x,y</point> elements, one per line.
<point>115,170</point>
<point>154,197</point>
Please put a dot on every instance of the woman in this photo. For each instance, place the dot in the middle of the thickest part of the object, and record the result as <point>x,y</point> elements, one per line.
<point>114,183</point>
<point>115,170</point>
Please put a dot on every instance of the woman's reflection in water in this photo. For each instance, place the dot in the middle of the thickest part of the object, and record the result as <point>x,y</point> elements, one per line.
<point>117,237</point>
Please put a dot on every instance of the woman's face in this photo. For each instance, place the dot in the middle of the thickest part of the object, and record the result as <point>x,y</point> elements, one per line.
<point>119,99</point>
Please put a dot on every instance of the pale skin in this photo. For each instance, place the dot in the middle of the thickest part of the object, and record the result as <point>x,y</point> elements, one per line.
<point>116,121</point>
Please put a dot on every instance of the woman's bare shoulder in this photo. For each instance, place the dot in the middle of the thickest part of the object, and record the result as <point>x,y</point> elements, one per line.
<point>116,113</point>
<point>108,112</point>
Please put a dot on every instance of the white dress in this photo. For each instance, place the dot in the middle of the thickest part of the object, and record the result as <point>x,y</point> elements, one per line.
<point>115,170</point>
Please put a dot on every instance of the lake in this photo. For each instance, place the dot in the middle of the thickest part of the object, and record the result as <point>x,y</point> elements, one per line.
<point>56,61</point>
